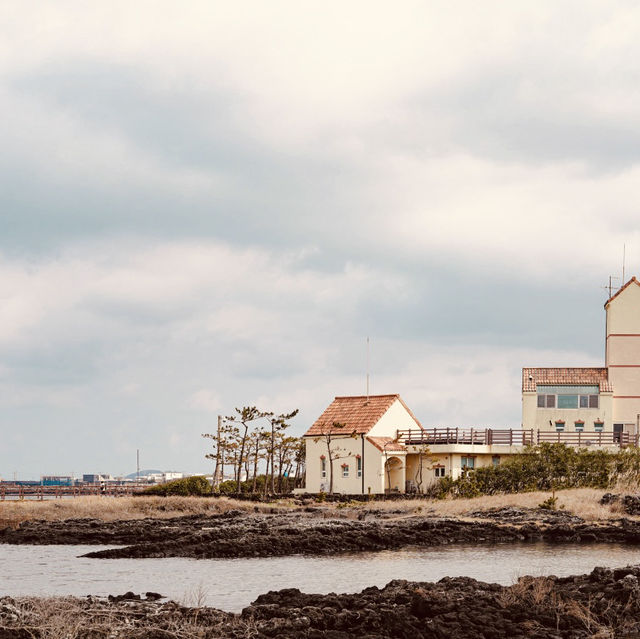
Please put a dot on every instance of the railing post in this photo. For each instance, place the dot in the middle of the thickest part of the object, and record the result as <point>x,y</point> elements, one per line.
<point>457,435</point>
<point>511,437</point>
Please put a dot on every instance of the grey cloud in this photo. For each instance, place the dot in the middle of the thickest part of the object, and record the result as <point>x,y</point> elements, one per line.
<point>494,116</point>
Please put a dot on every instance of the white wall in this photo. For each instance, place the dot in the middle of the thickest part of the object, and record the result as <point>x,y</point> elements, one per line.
<point>396,417</point>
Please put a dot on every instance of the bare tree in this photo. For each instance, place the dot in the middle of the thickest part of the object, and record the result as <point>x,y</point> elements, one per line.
<point>278,424</point>
<point>329,433</point>
<point>244,417</point>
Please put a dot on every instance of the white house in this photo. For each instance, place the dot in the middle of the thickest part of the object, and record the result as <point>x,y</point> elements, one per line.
<point>372,445</point>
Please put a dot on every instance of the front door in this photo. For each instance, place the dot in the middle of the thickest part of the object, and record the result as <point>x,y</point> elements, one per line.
<point>617,433</point>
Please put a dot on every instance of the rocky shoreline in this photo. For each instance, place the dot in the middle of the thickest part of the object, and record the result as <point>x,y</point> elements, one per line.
<point>605,603</point>
<point>314,531</point>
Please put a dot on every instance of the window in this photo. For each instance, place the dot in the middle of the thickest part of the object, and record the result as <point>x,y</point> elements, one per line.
<point>345,470</point>
<point>439,471</point>
<point>579,426</point>
<point>359,467</point>
<point>468,462</point>
<point>546,401</point>
<point>598,426</point>
<point>559,426</point>
<point>495,460</point>
<point>323,467</point>
<point>568,400</point>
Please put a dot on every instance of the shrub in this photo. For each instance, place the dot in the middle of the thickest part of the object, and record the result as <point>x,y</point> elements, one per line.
<point>544,467</point>
<point>188,486</point>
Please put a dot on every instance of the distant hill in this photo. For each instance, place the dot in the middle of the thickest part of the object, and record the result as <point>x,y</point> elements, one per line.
<point>145,472</point>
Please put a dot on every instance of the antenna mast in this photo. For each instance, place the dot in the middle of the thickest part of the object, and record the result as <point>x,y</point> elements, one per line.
<point>367,369</point>
<point>609,287</point>
<point>624,255</point>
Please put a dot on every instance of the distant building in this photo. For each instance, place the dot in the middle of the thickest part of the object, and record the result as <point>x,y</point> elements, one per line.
<point>96,478</point>
<point>57,480</point>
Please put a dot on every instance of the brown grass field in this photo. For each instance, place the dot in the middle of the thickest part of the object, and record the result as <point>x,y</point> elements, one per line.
<point>583,502</point>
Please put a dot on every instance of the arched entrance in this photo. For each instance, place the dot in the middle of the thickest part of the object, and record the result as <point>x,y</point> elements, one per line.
<point>394,475</point>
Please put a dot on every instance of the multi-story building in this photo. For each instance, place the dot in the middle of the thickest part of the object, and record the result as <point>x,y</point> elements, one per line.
<point>600,406</point>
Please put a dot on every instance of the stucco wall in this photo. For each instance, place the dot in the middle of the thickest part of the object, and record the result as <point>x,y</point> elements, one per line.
<point>539,418</point>
<point>395,418</point>
<point>623,354</point>
<point>347,449</point>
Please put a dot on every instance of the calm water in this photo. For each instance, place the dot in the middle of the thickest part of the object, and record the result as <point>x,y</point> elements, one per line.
<point>231,584</point>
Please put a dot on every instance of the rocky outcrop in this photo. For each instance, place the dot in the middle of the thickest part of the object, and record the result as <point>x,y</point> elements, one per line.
<point>239,535</point>
<point>605,603</point>
<point>630,504</point>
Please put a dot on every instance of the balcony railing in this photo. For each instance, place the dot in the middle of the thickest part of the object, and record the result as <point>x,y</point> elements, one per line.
<point>584,438</point>
<point>473,436</point>
<point>511,437</point>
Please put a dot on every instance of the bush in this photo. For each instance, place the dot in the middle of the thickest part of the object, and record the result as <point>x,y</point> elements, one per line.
<point>189,486</point>
<point>544,467</point>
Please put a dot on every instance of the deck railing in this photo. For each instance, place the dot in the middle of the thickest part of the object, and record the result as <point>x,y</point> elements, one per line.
<point>473,436</point>
<point>511,437</point>
<point>585,438</point>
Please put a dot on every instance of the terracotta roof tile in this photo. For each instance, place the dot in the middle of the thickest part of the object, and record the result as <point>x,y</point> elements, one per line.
<point>386,443</point>
<point>359,414</point>
<point>531,377</point>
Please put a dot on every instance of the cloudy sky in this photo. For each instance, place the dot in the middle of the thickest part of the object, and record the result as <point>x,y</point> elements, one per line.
<point>208,204</point>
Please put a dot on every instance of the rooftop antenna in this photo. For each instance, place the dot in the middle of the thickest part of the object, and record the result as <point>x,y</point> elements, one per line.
<point>624,255</point>
<point>609,287</point>
<point>367,369</point>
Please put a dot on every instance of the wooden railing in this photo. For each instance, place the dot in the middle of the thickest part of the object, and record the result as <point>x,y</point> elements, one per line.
<point>37,492</point>
<point>473,436</point>
<point>511,437</point>
<point>584,438</point>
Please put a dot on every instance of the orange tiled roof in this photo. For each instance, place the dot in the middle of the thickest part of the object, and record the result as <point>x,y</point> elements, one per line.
<point>633,279</point>
<point>531,377</point>
<point>359,414</point>
<point>386,443</point>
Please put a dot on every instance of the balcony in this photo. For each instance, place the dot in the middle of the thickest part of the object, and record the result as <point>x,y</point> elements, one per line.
<point>468,436</point>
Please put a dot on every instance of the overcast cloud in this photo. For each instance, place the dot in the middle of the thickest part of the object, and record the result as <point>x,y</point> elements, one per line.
<point>206,205</point>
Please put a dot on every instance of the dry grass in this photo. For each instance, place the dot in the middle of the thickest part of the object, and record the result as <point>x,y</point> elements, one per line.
<point>73,618</point>
<point>123,508</point>
<point>584,502</point>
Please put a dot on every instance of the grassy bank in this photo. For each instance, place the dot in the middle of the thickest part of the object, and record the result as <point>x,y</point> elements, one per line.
<point>584,502</point>
<point>119,508</point>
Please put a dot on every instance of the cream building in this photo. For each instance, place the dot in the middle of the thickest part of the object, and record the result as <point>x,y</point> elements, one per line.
<point>372,445</point>
<point>592,406</point>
